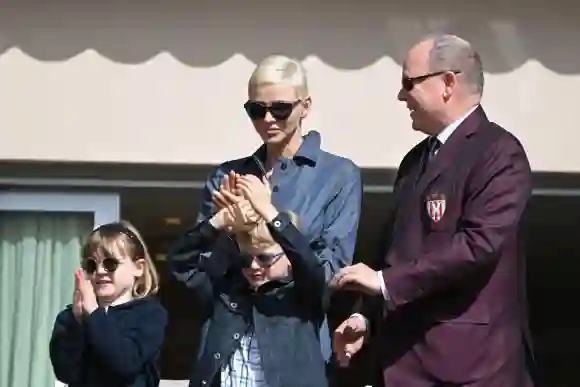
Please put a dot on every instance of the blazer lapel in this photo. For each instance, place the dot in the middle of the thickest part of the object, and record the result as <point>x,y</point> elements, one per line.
<point>410,174</point>
<point>448,152</point>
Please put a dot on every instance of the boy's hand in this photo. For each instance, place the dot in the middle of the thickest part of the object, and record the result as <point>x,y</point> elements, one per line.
<point>236,217</point>
<point>241,216</point>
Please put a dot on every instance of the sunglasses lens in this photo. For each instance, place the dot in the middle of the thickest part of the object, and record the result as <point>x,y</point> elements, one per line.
<point>407,84</point>
<point>281,110</point>
<point>262,260</point>
<point>110,264</point>
<point>255,110</point>
<point>246,260</point>
<point>90,266</point>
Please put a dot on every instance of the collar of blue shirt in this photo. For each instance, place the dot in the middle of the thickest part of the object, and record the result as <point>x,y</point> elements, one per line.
<point>307,153</point>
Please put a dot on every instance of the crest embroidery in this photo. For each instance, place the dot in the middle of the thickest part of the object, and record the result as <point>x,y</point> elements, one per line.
<point>436,206</point>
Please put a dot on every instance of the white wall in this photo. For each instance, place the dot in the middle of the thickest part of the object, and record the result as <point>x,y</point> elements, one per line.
<point>165,82</point>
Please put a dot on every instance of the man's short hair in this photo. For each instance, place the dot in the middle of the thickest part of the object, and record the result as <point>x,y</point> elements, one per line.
<point>450,52</point>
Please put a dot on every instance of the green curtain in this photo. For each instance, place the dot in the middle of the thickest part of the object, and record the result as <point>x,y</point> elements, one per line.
<point>39,252</point>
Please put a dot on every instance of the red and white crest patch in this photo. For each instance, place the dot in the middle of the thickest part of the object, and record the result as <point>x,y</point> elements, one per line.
<point>436,205</point>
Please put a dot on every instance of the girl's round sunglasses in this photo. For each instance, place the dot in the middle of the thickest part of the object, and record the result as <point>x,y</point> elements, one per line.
<point>90,265</point>
<point>280,110</point>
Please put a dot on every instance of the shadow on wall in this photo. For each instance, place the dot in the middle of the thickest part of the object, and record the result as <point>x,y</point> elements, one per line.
<point>348,36</point>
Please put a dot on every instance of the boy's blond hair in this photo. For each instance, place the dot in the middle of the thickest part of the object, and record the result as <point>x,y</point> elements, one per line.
<point>123,236</point>
<point>260,235</point>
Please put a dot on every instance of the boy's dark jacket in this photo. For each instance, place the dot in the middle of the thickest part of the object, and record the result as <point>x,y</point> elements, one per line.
<point>286,315</point>
<point>113,348</point>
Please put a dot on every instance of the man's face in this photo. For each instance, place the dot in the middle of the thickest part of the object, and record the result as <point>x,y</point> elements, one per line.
<point>424,96</point>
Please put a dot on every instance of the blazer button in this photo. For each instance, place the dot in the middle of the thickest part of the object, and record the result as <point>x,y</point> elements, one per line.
<point>216,355</point>
<point>275,189</point>
<point>236,336</point>
<point>234,305</point>
<point>283,166</point>
<point>204,382</point>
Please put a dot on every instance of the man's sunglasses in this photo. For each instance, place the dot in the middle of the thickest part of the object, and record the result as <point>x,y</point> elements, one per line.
<point>409,82</point>
<point>90,265</point>
<point>263,260</point>
<point>280,110</point>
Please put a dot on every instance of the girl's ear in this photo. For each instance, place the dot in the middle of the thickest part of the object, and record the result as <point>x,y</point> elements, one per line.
<point>139,267</point>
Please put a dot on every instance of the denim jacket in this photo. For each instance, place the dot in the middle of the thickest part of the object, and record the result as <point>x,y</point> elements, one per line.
<point>286,315</point>
<point>323,189</point>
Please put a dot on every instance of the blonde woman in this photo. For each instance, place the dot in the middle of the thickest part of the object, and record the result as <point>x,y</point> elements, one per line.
<point>322,189</point>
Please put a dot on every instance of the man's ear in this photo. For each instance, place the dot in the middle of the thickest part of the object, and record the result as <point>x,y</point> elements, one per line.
<point>306,105</point>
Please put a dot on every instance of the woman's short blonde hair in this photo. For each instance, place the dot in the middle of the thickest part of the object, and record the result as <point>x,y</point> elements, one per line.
<point>276,69</point>
<point>123,236</point>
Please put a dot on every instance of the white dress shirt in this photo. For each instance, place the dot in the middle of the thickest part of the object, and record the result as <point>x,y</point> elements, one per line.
<point>245,366</point>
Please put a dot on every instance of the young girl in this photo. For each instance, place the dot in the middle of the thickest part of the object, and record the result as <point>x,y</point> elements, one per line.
<point>112,333</point>
<point>262,299</point>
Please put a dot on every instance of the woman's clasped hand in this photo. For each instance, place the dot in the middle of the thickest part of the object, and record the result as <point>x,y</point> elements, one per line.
<point>242,201</point>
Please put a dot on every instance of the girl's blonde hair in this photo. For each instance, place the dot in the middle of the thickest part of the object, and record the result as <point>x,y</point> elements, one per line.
<point>123,236</point>
<point>276,69</point>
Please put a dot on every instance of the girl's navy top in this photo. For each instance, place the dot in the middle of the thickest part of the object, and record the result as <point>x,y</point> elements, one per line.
<point>117,347</point>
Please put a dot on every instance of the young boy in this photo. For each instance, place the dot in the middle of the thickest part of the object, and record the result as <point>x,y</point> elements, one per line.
<point>261,297</point>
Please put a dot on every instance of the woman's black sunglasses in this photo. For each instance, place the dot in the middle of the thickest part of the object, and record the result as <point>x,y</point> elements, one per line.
<point>280,110</point>
<point>90,265</point>
<point>263,260</point>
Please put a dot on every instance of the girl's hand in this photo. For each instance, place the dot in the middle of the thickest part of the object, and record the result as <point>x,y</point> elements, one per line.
<point>77,304</point>
<point>259,194</point>
<point>87,293</point>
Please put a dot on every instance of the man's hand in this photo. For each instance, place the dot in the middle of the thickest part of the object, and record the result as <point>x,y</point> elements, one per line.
<point>348,339</point>
<point>359,278</point>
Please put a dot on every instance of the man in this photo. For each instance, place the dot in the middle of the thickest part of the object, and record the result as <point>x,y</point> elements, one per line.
<point>452,281</point>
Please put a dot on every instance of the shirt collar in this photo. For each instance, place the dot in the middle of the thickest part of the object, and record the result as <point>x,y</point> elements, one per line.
<point>307,153</point>
<point>448,131</point>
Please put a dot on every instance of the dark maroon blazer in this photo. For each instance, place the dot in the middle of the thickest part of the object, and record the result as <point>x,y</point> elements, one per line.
<point>454,270</point>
